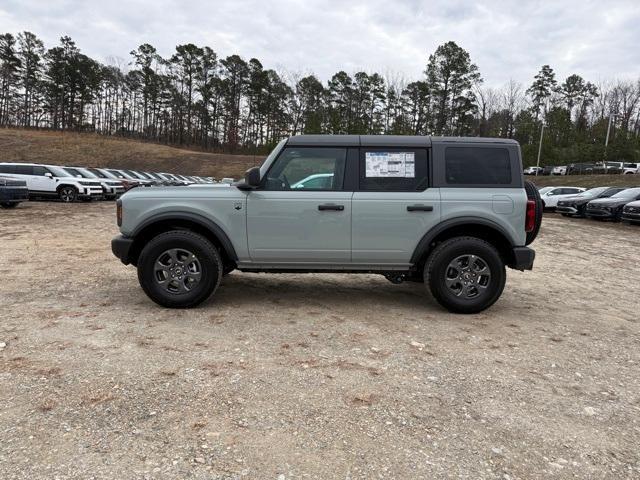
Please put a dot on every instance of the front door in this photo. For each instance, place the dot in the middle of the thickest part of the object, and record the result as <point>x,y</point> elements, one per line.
<point>42,182</point>
<point>301,213</point>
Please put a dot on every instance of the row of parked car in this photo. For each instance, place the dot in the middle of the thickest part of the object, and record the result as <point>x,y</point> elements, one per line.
<point>625,168</point>
<point>22,181</point>
<point>607,203</point>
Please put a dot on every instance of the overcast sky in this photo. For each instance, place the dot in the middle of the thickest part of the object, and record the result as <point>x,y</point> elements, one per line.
<point>506,39</point>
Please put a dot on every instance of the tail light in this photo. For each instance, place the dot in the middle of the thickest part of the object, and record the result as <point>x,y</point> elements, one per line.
<point>119,213</point>
<point>530,220</point>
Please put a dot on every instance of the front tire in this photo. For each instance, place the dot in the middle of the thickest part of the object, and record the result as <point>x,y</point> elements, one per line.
<point>179,269</point>
<point>9,205</point>
<point>67,194</point>
<point>465,274</point>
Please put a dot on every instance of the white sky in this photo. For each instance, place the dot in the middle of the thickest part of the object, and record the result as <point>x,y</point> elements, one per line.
<point>506,39</point>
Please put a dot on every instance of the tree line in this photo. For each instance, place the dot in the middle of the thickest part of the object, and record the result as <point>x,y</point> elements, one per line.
<point>196,98</point>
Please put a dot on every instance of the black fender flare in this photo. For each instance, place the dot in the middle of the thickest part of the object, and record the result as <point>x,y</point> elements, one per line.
<point>66,185</point>
<point>200,220</point>
<point>430,236</point>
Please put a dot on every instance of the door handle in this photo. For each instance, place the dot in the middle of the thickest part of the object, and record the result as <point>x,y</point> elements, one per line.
<point>419,208</point>
<point>330,206</point>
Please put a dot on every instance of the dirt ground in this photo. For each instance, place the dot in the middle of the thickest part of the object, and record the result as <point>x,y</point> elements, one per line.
<point>314,376</point>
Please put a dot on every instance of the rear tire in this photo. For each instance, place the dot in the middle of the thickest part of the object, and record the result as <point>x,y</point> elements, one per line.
<point>465,274</point>
<point>179,269</point>
<point>533,194</point>
<point>9,205</point>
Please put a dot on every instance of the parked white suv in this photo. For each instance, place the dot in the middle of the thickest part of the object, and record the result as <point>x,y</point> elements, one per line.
<point>111,189</point>
<point>631,168</point>
<point>551,195</point>
<point>53,181</point>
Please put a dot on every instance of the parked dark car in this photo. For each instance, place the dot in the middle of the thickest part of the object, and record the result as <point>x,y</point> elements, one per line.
<point>576,205</point>
<point>12,192</point>
<point>611,208</point>
<point>546,170</point>
<point>631,212</point>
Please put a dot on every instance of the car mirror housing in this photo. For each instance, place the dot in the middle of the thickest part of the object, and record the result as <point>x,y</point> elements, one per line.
<point>252,177</point>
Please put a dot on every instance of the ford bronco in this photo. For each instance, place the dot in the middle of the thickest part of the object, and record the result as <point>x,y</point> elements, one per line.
<point>449,212</point>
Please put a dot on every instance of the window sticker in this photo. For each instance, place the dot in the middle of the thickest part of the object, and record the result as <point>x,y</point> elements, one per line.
<point>390,164</point>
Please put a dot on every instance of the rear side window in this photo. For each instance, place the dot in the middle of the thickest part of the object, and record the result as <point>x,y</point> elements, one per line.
<point>24,170</point>
<point>393,169</point>
<point>477,166</point>
<point>7,169</point>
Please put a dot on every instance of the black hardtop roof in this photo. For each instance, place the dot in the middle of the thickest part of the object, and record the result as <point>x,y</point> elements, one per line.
<point>387,140</point>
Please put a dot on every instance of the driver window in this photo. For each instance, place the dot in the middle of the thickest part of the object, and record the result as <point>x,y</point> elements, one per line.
<point>40,171</point>
<point>307,168</point>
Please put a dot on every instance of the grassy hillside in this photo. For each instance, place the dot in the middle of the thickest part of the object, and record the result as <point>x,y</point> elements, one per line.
<point>98,151</point>
<point>587,181</point>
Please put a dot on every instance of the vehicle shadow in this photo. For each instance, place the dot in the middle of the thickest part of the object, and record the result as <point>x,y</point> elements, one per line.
<point>337,291</point>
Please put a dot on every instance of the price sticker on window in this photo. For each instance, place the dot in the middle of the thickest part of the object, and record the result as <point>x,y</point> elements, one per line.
<point>390,164</point>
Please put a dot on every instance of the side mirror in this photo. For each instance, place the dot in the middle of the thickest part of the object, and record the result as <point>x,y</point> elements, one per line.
<point>48,175</point>
<point>252,177</point>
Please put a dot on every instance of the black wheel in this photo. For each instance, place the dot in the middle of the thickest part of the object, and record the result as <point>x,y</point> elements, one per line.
<point>533,194</point>
<point>9,205</point>
<point>67,194</point>
<point>179,269</point>
<point>465,274</point>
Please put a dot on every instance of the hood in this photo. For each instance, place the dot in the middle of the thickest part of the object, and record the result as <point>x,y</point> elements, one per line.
<point>634,204</point>
<point>209,185</point>
<point>12,182</point>
<point>608,202</point>
<point>181,192</point>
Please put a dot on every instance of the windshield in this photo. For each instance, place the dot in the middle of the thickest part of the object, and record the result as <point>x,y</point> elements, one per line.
<point>97,173</point>
<point>86,173</point>
<point>274,153</point>
<point>117,173</point>
<point>626,194</point>
<point>59,172</point>
<point>592,192</point>
<point>76,173</point>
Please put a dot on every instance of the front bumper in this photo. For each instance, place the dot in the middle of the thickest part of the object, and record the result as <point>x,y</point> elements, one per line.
<point>121,248</point>
<point>90,192</point>
<point>523,258</point>
<point>570,209</point>
<point>598,213</point>
<point>631,217</point>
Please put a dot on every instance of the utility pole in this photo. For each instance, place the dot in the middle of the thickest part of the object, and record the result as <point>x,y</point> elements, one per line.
<point>606,144</point>
<point>540,149</point>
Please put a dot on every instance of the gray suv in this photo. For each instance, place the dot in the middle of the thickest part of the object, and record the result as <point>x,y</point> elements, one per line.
<point>449,212</point>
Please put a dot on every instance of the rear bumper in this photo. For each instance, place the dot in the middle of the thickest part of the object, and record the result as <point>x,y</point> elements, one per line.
<point>523,258</point>
<point>13,194</point>
<point>121,248</point>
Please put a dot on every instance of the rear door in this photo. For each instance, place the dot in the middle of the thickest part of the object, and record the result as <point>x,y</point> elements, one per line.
<point>393,206</point>
<point>292,218</point>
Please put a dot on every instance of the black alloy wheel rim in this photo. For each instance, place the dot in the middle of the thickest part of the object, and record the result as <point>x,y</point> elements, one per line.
<point>177,271</point>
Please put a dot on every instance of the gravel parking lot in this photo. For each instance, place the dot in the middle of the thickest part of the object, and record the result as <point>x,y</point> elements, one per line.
<point>314,376</point>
